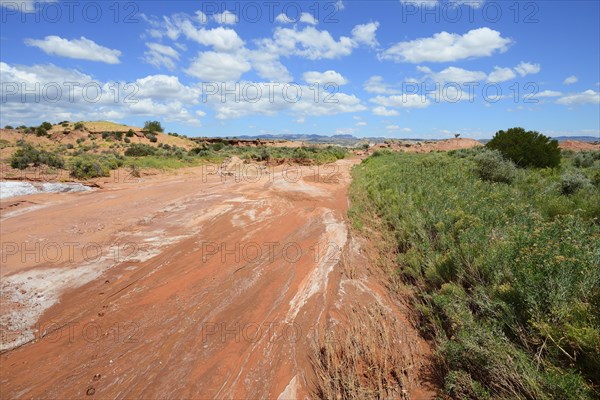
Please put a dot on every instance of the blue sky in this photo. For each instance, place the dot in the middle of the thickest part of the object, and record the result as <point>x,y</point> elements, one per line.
<point>426,68</point>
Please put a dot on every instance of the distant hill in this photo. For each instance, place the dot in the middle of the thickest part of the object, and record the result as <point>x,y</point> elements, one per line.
<point>347,140</point>
<point>590,139</point>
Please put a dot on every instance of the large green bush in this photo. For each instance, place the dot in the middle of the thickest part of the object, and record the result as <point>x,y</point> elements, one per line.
<point>526,148</point>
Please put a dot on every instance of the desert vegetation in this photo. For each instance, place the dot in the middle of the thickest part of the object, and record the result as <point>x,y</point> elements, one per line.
<point>28,155</point>
<point>503,261</point>
<point>99,152</point>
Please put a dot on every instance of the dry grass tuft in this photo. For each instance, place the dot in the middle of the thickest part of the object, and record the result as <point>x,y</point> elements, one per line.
<point>364,358</point>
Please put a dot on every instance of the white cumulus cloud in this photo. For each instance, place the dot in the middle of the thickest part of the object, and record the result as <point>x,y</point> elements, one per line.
<point>211,66</point>
<point>501,75</point>
<point>525,68</point>
<point>548,93</point>
<point>226,18</point>
<point>81,49</point>
<point>221,39</point>
<point>309,43</point>
<point>587,97</point>
<point>385,112</point>
<point>308,18</point>
<point>453,74</point>
<point>570,80</point>
<point>321,78</point>
<point>161,55</point>
<point>366,34</point>
<point>284,19</point>
<point>447,47</point>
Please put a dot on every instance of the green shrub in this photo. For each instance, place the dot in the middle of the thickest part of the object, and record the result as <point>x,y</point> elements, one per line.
<point>87,167</point>
<point>216,146</point>
<point>263,154</point>
<point>140,150</point>
<point>492,167</point>
<point>23,157</point>
<point>381,152</point>
<point>130,133</point>
<point>572,181</point>
<point>585,159</point>
<point>27,155</point>
<point>581,161</point>
<point>199,151</point>
<point>51,159</point>
<point>526,148</point>
<point>46,125</point>
<point>112,160</point>
<point>40,131</point>
<point>151,137</point>
<point>70,146</point>
<point>153,126</point>
<point>78,126</point>
<point>8,127</point>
